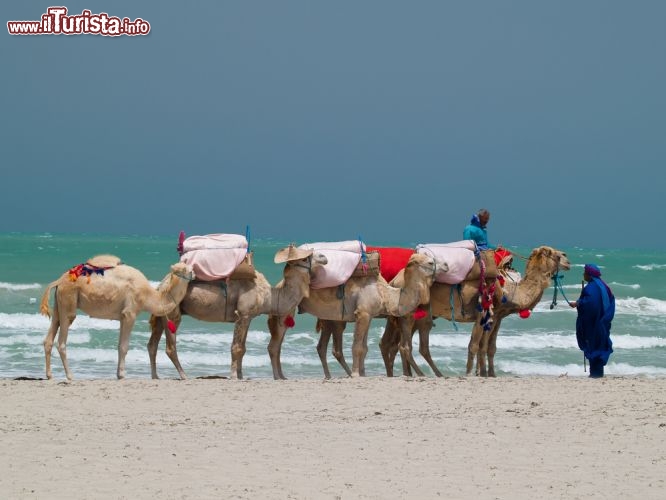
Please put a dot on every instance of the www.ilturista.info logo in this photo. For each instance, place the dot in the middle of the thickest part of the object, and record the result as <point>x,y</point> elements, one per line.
<point>56,22</point>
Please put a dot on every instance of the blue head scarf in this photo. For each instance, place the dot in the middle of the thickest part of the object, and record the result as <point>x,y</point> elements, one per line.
<point>594,272</point>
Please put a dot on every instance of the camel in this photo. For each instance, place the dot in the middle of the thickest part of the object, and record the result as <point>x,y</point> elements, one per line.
<point>238,301</point>
<point>543,263</point>
<point>359,300</point>
<point>106,288</point>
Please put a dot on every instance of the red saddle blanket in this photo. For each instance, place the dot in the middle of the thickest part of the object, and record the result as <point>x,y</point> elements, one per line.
<point>392,260</point>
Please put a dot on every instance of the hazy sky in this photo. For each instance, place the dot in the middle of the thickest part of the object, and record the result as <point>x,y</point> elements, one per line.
<point>325,120</point>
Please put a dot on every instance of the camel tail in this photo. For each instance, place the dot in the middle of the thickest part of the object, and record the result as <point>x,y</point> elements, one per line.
<point>44,306</point>
<point>319,327</point>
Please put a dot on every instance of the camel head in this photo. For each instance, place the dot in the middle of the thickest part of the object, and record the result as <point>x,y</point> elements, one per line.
<point>547,260</point>
<point>183,271</point>
<point>421,270</point>
<point>307,267</point>
<point>310,263</point>
<point>180,273</point>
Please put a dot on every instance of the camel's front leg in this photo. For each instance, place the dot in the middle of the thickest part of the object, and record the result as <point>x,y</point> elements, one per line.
<point>473,347</point>
<point>127,319</point>
<point>483,351</point>
<point>171,350</point>
<point>49,339</point>
<point>492,348</point>
<point>360,344</point>
<point>156,329</point>
<point>238,346</point>
<point>406,332</point>
<point>277,329</point>
<point>424,326</point>
<point>389,343</point>
<point>157,326</point>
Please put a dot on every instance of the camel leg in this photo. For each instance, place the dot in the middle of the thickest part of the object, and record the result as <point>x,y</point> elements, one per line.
<point>277,330</point>
<point>238,346</point>
<point>492,348</point>
<point>127,320</point>
<point>338,329</point>
<point>424,327</point>
<point>481,355</point>
<point>388,345</point>
<point>156,328</point>
<point>49,339</point>
<point>170,349</point>
<point>360,344</point>
<point>406,332</point>
<point>473,347</point>
<point>324,328</point>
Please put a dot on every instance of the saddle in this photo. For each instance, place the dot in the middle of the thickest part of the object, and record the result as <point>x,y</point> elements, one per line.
<point>343,259</point>
<point>220,256</point>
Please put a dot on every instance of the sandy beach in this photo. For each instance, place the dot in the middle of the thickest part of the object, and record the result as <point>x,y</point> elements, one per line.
<point>559,437</point>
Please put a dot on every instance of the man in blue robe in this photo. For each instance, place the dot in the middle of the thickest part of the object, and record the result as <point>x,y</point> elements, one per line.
<point>476,230</point>
<point>596,308</point>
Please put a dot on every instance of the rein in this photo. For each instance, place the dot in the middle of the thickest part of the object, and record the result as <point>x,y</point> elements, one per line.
<point>557,283</point>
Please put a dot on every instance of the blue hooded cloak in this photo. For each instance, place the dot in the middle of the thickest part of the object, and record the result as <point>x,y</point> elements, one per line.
<point>596,309</point>
<point>475,231</point>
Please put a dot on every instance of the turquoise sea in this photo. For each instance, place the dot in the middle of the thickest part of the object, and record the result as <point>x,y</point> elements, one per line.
<point>543,344</point>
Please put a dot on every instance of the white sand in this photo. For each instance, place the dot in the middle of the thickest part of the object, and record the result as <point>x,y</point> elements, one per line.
<point>376,437</point>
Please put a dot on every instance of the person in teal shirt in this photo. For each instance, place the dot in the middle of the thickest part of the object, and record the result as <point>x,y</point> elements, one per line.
<point>476,230</point>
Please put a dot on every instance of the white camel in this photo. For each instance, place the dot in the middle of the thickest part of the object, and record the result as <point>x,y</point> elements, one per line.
<point>543,263</point>
<point>106,288</point>
<point>238,301</point>
<point>360,300</point>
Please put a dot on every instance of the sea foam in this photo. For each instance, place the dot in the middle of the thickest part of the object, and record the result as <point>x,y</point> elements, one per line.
<point>19,286</point>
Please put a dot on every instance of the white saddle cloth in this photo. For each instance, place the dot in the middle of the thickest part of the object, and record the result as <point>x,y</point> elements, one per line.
<point>214,256</point>
<point>342,256</point>
<point>459,256</point>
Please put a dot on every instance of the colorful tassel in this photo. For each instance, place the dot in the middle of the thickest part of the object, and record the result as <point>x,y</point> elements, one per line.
<point>419,314</point>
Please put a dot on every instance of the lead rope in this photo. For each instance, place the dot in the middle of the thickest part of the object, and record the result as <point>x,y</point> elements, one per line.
<point>453,307</point>
<point>557,283</point>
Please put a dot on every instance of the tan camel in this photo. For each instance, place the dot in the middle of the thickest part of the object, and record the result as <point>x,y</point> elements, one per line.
<point>238,301</point>
<point>106,288</point>
<point>362,298</point>
<point>541,266</point>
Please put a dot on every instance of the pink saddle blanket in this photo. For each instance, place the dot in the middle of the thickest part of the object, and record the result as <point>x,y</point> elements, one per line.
<point>459,256</point>
<point>214,256</point>
<point>342,256</point>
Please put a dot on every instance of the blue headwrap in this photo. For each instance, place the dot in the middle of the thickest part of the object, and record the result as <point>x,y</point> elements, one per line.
<point>593,270</point>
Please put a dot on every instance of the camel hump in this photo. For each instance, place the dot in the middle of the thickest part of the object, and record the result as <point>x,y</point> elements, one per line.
<point>105,260</point>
